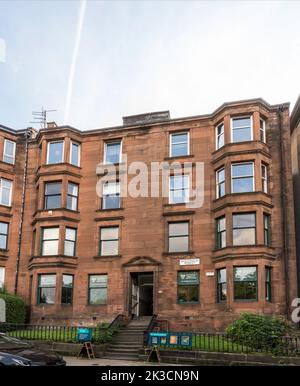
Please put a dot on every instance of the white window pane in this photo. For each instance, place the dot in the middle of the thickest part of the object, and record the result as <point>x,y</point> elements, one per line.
<point>109,248</point>
<point>244,220</point>
<point>179,229</point>
<point>69,248</point>
<point>47,280</point>
<point>178,244</point>
<point>109,233</point>
<point>111,188</point>
<point>242,170</point>
<point>50,233</point>
<point>3,242</point>
<point>3,228</point>
<point>113,151</point>
<point>75,149</point>
<point>55,152</point>
<point>2,276</point>
<point>70,234</point>
<point>111,202</point>
<point>50,248</point>
<point>242,185</point>
<point>179,138</point>
<point>73,189</point>
<point>179,149</point>
<point>244,236</point>
<point>241,122</point>
<point>72,203</point>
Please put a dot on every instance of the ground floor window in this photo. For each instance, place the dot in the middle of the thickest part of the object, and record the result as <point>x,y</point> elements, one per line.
<point>188,286</point>
<point>245,283</point>
<point>221,285</point>
<point>67,289</point>
<point>268,284</point>
<point>97,289</point>
<point>46,289</point>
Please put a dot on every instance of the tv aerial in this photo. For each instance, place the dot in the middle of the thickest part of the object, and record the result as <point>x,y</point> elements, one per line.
<point>40,117</point>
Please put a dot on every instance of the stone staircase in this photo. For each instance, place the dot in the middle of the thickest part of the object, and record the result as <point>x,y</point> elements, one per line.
<point>126,344</point>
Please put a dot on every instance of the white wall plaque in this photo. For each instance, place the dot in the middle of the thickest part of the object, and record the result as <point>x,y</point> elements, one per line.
<point>189,262</point>
<point>210,273</point>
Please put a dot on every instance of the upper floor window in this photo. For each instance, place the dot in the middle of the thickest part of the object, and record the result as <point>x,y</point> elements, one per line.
<point>221,232</point>
<point>55,153</point>
<point>111,195</point>
<point>5,192</point>
<point>266,230</point>
<point>241,129</point>
<point>75,154</point>
<point>67,289</point>
<point>268,287</point>
<point>49,242</point>
<point>112,152</point>
<point>179,189</point>
<point>72,196</point>
<point>221,285</point>
<point>52,195</point>
<point>245,283</point>
<point>244,229</point>
<point>220,177</point>
<point>262,130</point>
<point>109,241</point>
<point>2,276</point>
<point>242,177</point>
<point>220,136</point>
<point>179,237</point>
<point>46,289</point>
<point>264,178</point>
<point>179,144</point>
<point>9,151</point>
<point>70,242</point>
<point>3,235</point>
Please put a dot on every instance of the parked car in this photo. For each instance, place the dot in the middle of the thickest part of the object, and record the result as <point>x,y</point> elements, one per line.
<point>13,360</point>
<point>27,351</point>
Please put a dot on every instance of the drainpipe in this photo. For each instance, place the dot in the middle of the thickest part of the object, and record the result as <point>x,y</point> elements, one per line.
<point>284,217</point>
<point>27,135</point>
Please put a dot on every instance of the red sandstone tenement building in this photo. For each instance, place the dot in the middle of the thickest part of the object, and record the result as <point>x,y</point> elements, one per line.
<point>84,259</point>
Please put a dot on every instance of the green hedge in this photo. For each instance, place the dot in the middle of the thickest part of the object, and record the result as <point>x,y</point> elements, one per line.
<point>259,331</point>
<point>15,308</point>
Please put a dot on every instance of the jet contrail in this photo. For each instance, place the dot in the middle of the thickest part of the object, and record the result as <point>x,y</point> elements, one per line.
<point>74,59</point>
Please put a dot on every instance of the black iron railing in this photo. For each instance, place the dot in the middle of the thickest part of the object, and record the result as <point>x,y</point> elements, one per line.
<point>220,342</point>
<point>151,326</point>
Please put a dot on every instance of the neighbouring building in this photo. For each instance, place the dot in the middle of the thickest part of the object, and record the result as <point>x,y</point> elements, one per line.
<point>79,258</point>
<point>295,139</point>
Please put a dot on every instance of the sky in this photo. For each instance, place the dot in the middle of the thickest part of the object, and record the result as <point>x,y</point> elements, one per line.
<point>97,61</point>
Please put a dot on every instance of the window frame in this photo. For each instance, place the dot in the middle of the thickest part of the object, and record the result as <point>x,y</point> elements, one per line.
<point>51,195</point>
<point>262,130</point>
<point>120,141</point>
<point>63,152</point>
<point>267,230</point>
<point>188,285</point>
<point>14,152</point>
<point>10,192</point>
<point>255,228</point>
<point>268,284</point>
<point>219,183</point>
<point>217,136</point>
<point>79,152</point>
<point>219,233</point>
<point>188,236</point>
<point>71,195</point>
<point>244,176</point>
<point>232,129</point>
<point>246,281</point>
<point>70,241</point>
<point>6,235</point>
<point>220,285</point>
<point>171,143</point>
<point>101,240</point>
<point>42,239</point>
<point>89,289</point>
<point>39,289</point>
<point>264,178</point>
<point>187,199</point>
<point>62,287</point>
<point>109,195</point>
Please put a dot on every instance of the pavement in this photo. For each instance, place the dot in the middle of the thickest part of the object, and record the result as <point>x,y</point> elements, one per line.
<point>73,361</point>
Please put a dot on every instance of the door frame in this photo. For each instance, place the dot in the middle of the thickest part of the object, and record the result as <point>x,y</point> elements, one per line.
<point>129,289</point>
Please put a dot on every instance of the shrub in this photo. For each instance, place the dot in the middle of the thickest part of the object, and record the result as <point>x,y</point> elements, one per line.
<point>257,331</point>
<point>15,308</point>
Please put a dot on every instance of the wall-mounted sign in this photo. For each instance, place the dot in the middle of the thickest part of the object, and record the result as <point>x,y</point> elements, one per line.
<point>84,334</point>
<point>189,261</point>
<point>210,273</point>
